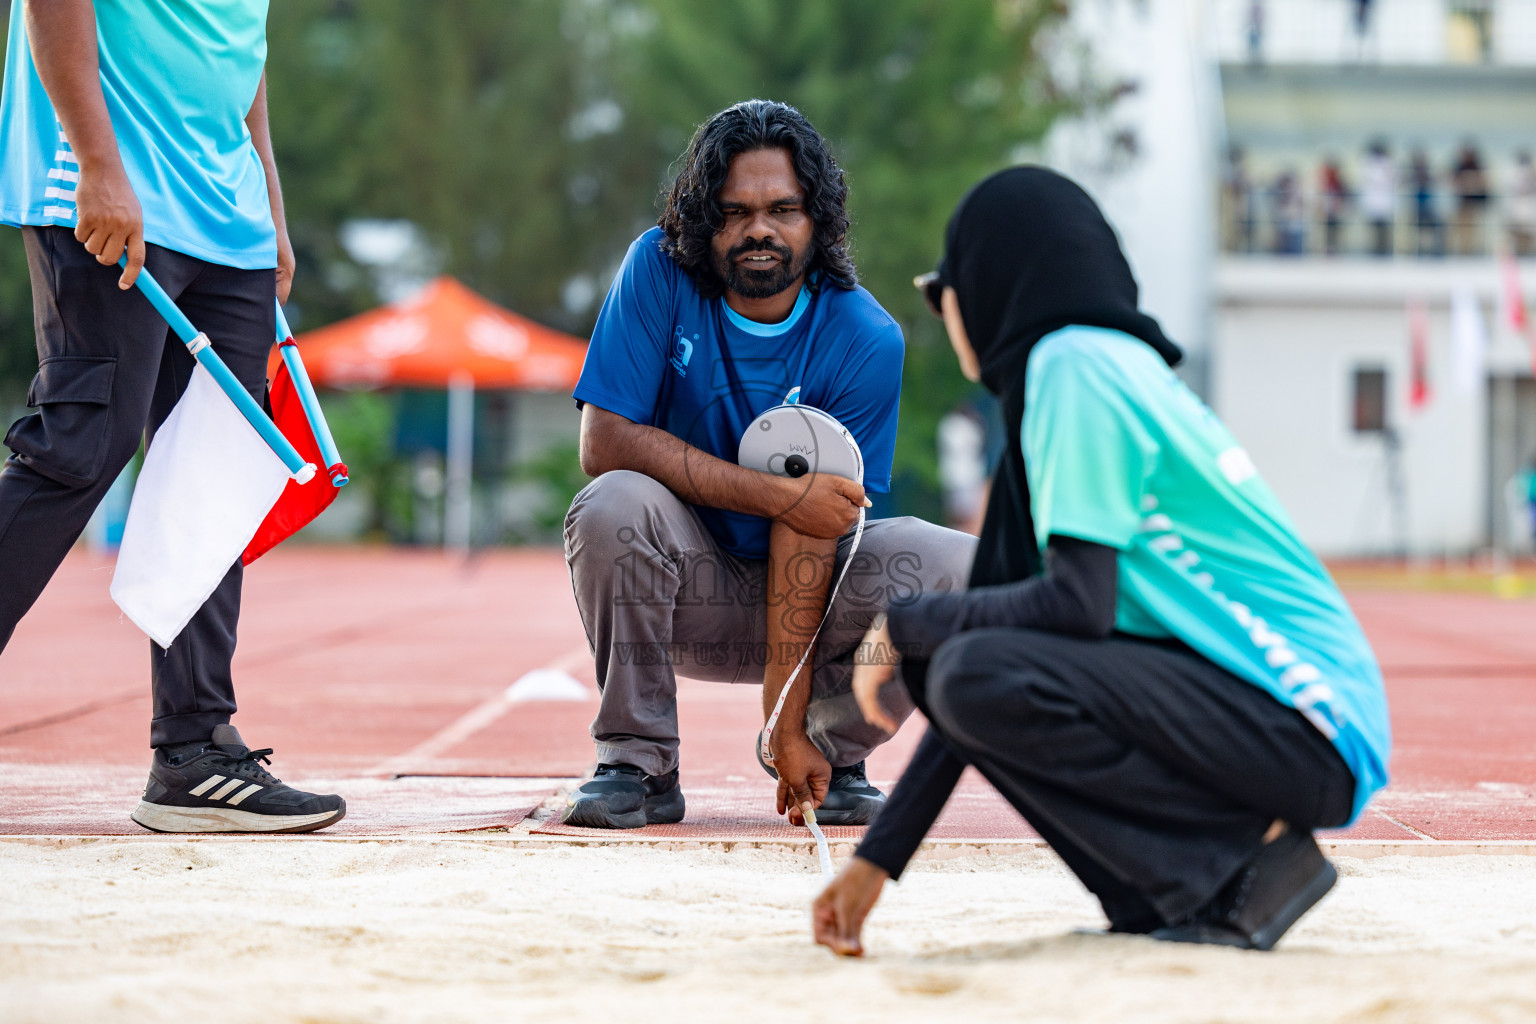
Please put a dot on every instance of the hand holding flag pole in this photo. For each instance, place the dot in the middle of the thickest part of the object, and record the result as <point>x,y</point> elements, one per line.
<point>202,350</point>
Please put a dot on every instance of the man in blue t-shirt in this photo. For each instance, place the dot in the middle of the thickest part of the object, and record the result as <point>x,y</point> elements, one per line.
<point>139,128</point>
<point>743,298</point>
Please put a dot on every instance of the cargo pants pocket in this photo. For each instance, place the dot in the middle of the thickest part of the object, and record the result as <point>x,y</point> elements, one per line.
<point>66,439</point>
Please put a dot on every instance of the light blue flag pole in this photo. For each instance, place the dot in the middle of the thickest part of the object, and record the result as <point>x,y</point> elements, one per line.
<point>310,402</point>
<point>202,350</point>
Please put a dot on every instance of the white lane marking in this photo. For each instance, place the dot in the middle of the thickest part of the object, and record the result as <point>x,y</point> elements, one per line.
<point>226,789</point>
<point>546,684</point>
<point>253,788</point>
<point>489,711</point>
<point>207,784</point>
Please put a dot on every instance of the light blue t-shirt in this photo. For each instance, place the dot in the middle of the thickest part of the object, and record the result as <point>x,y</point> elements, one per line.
<point>179,78</point>
<point>1119,452</point>
<point>665,356</point>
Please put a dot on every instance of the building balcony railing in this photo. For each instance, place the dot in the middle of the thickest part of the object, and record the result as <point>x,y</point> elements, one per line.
<point>1276,223</point>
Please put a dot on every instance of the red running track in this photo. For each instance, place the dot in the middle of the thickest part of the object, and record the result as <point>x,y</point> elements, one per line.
<point>384,674</point>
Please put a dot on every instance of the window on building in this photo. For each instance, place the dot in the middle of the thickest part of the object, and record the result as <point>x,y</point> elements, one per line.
<point>1469,31</point>
<point>1370,401</point>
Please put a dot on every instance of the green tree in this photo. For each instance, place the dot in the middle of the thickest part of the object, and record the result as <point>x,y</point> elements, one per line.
<point>920,98</point>
<point>528,141</point>
<point>451,115</point>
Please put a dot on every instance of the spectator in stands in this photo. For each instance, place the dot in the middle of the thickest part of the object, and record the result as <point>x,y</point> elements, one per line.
<point>1378,196</point>
<point>1238,213</point>
<point>1521,210</point>
<point>1429,230</point>
<point>962,442</point>
<point>1335,201</point>
<point>1362,27</point>
<point>1530,494</point>
<point>1256,32</point>
<point>1471,185</point>
<point>1290,215</point>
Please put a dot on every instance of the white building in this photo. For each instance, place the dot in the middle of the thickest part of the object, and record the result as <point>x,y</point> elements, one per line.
<point>1300,337</point>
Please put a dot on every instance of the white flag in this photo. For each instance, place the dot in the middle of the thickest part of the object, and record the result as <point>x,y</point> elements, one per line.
<point>1469,342</point>
<point>207,483</point>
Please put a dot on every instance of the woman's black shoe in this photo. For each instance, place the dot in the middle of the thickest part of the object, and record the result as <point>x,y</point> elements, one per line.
<point>1283,882</point>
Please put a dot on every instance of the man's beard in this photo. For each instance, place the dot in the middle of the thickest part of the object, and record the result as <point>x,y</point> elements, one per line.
<point>762,284</point>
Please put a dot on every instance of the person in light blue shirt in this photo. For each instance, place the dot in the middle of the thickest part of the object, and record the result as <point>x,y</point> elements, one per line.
<point>179,81</point>
<point>137,130</point>
<point>1149,664</point>
<point>743,298</point>
<point>1121,453</point>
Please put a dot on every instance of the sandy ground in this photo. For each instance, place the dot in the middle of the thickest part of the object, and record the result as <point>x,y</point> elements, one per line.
<point>443,930</point>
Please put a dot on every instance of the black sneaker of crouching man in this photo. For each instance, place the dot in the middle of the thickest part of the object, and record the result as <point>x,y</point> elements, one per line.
<point>623,796</point>
<point>221,786</point>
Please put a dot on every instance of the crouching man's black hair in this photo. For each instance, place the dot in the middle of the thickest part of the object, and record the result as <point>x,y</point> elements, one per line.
<point>692,214</point>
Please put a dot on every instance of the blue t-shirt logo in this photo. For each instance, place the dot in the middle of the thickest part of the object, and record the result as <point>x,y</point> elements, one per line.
<point>682,351</point>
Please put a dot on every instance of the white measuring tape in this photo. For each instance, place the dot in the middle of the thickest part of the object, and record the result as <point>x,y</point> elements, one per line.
<point>773,719</point>
<point>794,441</point>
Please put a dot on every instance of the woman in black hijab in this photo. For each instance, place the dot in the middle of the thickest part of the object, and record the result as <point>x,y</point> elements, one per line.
<point>1173,746</point>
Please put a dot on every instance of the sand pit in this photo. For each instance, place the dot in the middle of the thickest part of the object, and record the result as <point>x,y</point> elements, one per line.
<point>440,929</point>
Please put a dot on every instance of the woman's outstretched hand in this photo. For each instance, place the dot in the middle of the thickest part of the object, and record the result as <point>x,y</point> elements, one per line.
<point>838,914</point>
<point>874,663</point>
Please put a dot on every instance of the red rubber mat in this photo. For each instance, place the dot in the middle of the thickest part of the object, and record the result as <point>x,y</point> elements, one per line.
<point>361,663</point>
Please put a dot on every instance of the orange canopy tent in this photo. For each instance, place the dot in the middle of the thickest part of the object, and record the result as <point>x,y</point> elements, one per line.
<point>444,333</point>
<point>447,337</point>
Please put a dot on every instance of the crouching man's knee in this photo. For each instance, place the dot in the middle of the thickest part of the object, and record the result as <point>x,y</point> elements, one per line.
<point>607,513</point>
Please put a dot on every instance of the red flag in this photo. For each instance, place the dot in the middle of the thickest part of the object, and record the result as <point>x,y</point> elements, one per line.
<point>299,503</point>
<point>1418,334</point>
<point>1514,302</point>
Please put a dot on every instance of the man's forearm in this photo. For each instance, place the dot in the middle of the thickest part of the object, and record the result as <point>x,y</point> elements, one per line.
<point>799,582</point>
<point>62,37</point>
<point>693,475</point>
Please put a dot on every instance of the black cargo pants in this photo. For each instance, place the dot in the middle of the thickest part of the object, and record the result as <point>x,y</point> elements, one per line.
<point>109,369</point>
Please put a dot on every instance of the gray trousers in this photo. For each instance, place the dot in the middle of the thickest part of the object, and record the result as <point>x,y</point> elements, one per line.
<point>658,597</point>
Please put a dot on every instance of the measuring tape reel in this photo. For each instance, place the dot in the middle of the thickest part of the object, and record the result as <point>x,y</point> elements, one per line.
<point>798,440</point>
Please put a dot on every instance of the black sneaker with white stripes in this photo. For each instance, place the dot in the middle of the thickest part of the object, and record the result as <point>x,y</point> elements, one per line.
<point>223,788</point>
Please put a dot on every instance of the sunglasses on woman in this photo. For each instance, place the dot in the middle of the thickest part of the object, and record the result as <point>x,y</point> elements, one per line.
<point>932,287</point>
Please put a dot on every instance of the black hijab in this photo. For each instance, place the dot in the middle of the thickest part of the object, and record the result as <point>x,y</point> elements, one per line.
<point>1028,252</point>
